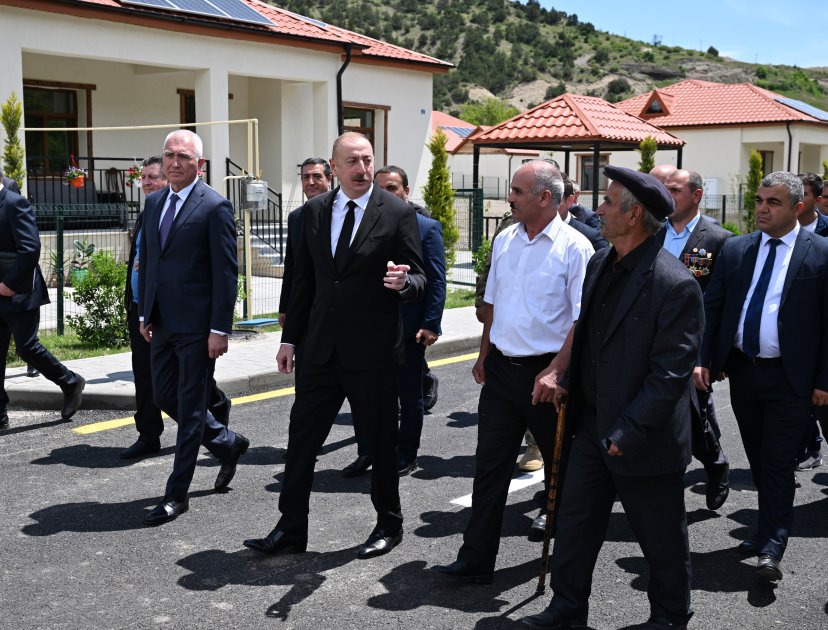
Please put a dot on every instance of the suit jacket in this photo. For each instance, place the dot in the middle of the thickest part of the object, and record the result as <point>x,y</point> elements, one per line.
<point>133,252</point>
<point>350,312</point>
<point>428,313</point>
<point>294,240</point>
<point>192,282</point>
<point>586,216</point>
<point>594,236</point>
<point>645,363</point>
<point>822,225</point>
<point>11,184</point>
<point>803,313</point>
<point>19,235</point>
<point>707,235</point>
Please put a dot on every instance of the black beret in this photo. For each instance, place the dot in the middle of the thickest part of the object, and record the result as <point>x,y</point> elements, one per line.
<point>647,189</point>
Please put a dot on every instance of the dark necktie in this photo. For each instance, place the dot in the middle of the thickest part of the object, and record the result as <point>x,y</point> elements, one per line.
<point>166,222</point>
<point>753,316</point>
<point>344,241</point>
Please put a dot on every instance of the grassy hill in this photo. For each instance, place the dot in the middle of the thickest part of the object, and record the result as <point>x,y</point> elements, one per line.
<point>526,54</point>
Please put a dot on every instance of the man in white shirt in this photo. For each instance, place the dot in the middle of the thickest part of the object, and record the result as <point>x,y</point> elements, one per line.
<point>532,299</point>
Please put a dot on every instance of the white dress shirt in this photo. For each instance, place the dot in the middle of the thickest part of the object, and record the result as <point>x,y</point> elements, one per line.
<point>535,287</point>
<point>340,209</point>
<point>768,330</point>
<point>811,227</point>
<point>182,196</point>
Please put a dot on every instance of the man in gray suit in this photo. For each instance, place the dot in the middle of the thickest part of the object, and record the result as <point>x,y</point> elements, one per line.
<point>632,355</point>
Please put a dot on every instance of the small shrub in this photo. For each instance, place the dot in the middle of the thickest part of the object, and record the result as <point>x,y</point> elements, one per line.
<point>101,293</point>
<point>480,256</point>
<point>732,227</point>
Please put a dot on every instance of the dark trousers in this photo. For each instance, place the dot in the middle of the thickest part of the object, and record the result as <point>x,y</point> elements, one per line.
<point>320,392</point>
<point>22,325</point>
<point>505,411</point>
<point>181,376</point>
<point>772,421</point>
<point>655,509</point>
<point>411,399</point>
<point>705,437</point>
<point>148,420</point>
<point>812,441</point>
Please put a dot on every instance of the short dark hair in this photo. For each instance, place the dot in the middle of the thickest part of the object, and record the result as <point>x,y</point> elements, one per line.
<point>152,159</point>
<point>812,181</point>
<point>315,160</point>
<point>387,170</point>
<point>568,189</point>
<point>695,181</point>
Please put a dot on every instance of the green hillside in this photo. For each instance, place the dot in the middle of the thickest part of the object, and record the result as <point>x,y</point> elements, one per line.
<point>526,54</point>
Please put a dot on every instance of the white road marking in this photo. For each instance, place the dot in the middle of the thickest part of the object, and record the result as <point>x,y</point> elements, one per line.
<point>518,483</point>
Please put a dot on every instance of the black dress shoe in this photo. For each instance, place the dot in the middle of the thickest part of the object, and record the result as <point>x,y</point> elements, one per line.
<point>662,623</point>
<point>551,618</point>
<point>357,467</point>
<point>221,412</point>
<point>717,487</point>
<point>430,384</point>
<point>459,570</point>
<point>749,547</point>
<point>380,542</point>
<point>4,420</point>
<point>768,568</point>
<point>277,542</point>
<point>228,466</point>
<point>167,510</point>
<point>407,466</point>
<point>143,446</point>
<point>31,371</point>
<point>537,531</point>
<point>72,398</point>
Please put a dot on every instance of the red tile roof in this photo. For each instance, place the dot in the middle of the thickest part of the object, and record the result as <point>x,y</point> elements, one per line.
<point>572,118</point>
<point>694,103</point>
<point>290,25</point>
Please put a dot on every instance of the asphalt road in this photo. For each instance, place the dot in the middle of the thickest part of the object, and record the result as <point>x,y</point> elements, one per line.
<point>75,553</point>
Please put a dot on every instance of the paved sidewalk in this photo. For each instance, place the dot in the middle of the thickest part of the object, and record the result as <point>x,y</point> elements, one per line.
<point>249,365</point>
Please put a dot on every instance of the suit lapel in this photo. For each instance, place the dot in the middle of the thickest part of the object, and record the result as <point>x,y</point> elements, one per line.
<point>638,279</point>
<point>192,202</point>
<point>748,263</point>
<point>695,238</point>
<point>324,234</point>
<point>801,246</point>
<point>591,280</point>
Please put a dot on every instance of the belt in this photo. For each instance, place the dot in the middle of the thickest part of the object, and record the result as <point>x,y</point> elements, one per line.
<point>535,359</point>
<point>759,361</point>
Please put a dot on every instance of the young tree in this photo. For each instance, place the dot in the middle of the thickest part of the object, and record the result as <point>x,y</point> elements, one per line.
<point>754,179</point>
<point>11,114</point>
<point>439,196</point>
<point>824,169</point>
<point>647,150</point>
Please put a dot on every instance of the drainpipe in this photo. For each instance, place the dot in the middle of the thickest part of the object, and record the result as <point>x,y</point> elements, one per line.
<point>790,144</point>
<point>339,109</point>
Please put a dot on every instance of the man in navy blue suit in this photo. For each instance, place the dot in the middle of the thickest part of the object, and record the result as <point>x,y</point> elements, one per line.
<point>187,283</point>
<point>421,320</point>
<point>766,311</point>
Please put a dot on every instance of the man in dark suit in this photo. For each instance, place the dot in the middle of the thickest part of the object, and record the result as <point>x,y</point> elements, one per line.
<point>593,234</point>
<point>148,420</point>
<point>187,282</point>
<point>584,215</point>
<point>22,292</point>
<point>345,310</point>
<point>632,355</point>
<point>810,219</point>
<point>316,179</point>
<point>696,241</point>
<point>767,329</point>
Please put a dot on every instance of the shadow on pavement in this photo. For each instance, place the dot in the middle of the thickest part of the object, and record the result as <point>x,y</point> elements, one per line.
<point>87,456</point>
<point>461,419</point>
<point>329,480</point>
<point>214,569</point>
<point>517,517</point>
<point>90,516</point>
<point>457,467</point>
<point>33,427</point>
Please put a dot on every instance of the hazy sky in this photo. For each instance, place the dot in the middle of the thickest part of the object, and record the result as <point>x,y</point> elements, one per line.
<point>760,31</point>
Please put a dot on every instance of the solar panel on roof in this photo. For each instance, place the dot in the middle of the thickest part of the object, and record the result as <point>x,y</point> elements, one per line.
<point>799,106</point>
<point>463,132</point>
<point>228,9</point>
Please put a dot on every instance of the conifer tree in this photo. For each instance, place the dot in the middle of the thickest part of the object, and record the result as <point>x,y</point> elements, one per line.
<point>439,196</point>
<point>11,115</point>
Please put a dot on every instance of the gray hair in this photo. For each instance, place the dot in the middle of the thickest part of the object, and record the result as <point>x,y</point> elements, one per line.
<point>547,177</point>
<point>192,136</point>
<point>796,191</point>
<point>648,220</point>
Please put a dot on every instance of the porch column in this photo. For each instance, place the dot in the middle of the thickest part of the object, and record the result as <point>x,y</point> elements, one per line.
<point>212,89</point>
<point>298,141</point>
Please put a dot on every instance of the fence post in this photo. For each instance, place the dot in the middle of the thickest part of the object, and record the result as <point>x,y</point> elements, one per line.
<point>60,261</point>
<point>724,209</point>
<point>477,219</point>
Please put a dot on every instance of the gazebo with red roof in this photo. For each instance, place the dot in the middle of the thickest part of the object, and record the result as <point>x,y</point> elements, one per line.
<point>574,122</point>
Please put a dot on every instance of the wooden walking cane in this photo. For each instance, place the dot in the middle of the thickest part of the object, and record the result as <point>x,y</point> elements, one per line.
<point>553,495</point>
